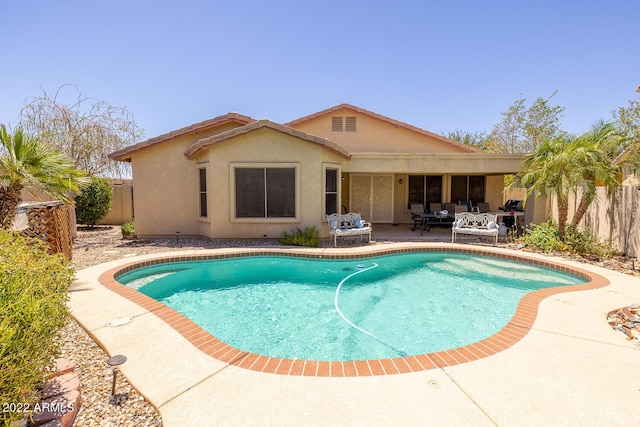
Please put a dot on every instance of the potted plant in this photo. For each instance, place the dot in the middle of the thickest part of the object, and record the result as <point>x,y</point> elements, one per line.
<point>128,231</point>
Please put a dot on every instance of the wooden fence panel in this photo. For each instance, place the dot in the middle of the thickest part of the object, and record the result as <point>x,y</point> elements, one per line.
<point>50,222</point>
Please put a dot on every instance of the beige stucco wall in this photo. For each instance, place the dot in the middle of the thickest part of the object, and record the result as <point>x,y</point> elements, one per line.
<point>612,217</point>
<point>166,191</point>
<point>165,197</point>
<point>493,192</point>
<point>266,147</point>
<point>454,163</point>
<point>121,202</point>
<point>165,187</point>
<point>374,135</point>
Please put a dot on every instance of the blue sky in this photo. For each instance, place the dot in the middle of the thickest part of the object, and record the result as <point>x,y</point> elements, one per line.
<point>438,65</point>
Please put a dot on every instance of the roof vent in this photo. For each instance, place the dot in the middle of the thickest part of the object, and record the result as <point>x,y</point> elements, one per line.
<point>350,124</point>
<point>336,124</point>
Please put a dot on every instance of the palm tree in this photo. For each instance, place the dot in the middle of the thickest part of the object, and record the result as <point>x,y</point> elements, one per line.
<point>552,168</point>
<point>597,164</point>
<point>27,163</point>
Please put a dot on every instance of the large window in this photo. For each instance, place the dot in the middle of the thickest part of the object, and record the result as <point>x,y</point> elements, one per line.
<point>467,187</point>
<point>331,191</point>
<point>265,192</point>
<point>202,191</point>
<point>425,189</point>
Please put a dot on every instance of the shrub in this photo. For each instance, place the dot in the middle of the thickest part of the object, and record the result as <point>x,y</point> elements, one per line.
<point>128,229</point>
<point>307,237</point>
<point>33,295</point>
<point>585,243</point>
<point>544,237</point>
<point>94,203</point>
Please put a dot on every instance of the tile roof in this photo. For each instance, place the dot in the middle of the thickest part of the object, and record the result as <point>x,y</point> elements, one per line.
<point>125,153</point>
<point>394,122</point>
<point>262,124</point>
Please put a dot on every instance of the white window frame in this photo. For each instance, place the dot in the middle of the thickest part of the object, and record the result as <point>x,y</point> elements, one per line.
<point>338,169</point>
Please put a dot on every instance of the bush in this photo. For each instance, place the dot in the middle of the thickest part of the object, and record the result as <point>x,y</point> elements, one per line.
<point>128,229</point>
<point>544,237</point>
<point>33,295</point>
<point>94,203</point>
<point>307,237</point>
<point>585,243</point>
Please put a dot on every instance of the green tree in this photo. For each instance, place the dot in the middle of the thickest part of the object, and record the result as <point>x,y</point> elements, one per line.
<point>475,139</point>
<point>554,167</point>
<point>522,128</point>
<point>85,129</point>
<point>27,163</point>
<point>602,144</point>
<point>94,202</point>
<point>628,119</point>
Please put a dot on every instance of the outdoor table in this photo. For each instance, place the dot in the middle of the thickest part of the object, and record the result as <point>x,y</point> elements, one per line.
<point>433,218</point>
<point>517,216</point>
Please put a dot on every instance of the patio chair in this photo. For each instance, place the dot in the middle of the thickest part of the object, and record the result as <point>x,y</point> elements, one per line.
<point>461,208</point>
<point>417,212</point>
<point>483,207</point>
<point>435,207</point>
<point>451,210</point>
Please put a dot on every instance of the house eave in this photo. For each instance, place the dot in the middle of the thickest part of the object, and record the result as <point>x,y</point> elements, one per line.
<point>202,144</point>
<point>458,145</point>
<point>125,153</point>
<point>435,163</point>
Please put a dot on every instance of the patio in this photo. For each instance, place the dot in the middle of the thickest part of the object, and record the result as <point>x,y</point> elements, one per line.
<point>571,368</point>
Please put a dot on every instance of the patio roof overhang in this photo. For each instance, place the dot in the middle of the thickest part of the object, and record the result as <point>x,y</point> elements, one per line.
<point>437,163</point>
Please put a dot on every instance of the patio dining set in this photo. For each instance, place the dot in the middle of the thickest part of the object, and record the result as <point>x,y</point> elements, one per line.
<point>508,215</point>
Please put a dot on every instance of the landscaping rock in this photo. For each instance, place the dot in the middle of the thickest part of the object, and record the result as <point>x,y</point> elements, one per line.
<point>62,367</point>
<point>627,321</point>
<point>62,407</point>
<point>60,384</point>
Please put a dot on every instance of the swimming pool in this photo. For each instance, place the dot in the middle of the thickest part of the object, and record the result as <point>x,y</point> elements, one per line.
<point>340,309</point>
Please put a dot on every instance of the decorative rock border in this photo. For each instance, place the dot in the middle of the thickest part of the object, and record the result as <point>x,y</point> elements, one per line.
<point>59,398</point>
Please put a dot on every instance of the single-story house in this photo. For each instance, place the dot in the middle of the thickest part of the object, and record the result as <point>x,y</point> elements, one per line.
<point>237,177</point>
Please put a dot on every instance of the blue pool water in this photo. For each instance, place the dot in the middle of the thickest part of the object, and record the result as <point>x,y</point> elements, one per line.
<point>403,304</point>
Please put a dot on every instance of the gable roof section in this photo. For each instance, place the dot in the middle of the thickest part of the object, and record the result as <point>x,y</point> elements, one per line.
<point>125,153</point>
<point>458,145</point>
<point>266,124</point>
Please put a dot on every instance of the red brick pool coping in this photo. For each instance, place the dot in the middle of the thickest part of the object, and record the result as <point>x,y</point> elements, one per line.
<point>514,331</point>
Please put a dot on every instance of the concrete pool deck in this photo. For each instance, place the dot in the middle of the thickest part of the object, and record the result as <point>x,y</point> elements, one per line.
<point>571,368</point>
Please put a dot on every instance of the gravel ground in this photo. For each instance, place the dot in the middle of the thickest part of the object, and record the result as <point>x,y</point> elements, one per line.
<point>129,408</point>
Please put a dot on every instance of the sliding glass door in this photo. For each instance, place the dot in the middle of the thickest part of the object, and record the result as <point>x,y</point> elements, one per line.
<point>425,189</point>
